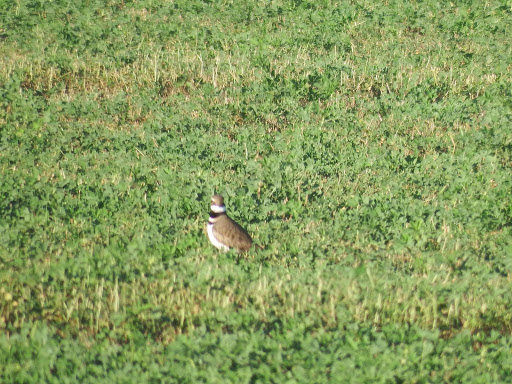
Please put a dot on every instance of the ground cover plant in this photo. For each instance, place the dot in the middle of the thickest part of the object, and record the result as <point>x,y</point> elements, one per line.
<point>366,146</point>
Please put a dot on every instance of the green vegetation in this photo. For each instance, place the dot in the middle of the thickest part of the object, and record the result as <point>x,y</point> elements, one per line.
<point>367,146</point>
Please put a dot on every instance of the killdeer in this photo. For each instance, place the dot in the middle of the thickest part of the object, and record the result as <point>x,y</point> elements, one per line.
<point>223,232</point>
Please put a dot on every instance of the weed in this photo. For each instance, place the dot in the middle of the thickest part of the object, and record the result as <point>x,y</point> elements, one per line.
<point>365,146</point>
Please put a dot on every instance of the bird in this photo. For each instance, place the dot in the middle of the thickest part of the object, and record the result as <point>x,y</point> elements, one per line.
<point>223,232</point>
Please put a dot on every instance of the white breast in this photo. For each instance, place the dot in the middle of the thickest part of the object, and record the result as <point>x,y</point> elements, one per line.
<point>214,241</point>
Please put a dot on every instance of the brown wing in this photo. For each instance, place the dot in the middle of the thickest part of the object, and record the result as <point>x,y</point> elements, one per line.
<point>237,237</point>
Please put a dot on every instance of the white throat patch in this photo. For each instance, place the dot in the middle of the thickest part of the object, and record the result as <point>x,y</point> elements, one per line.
<point>218,208</point>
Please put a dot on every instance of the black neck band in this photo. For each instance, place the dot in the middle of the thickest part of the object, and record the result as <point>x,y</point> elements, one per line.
<point>216,214</point>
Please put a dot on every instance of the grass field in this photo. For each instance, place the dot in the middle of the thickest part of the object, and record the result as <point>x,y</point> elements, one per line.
<point>367,146</point>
